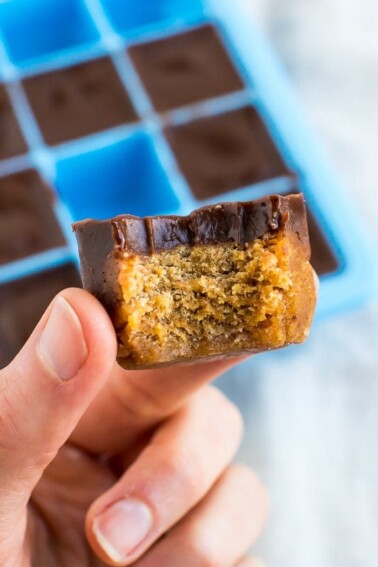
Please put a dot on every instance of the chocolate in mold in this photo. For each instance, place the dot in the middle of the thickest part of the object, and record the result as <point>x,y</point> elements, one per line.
<point>27,221</point>
<point>23,302</point>
<point>12,141</point>
<point>80,100</point>
<point>226,151</point>
<point>186,68</point>
<point>323,258</point>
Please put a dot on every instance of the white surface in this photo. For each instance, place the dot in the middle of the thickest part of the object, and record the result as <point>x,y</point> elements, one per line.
<point>312,413</point>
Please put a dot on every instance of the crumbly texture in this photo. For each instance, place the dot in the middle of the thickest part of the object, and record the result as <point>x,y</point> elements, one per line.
<point>212,300</point>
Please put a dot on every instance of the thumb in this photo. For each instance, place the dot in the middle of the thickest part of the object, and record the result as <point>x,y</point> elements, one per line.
<point>44,392</point>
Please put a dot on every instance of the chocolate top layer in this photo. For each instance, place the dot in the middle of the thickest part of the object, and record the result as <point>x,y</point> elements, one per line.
<point>27,221</point>
<point>79,100</point>
<point>227,151</point>
<point>227,222</point>
<point>12,142</point>
<point>22,303</point>
<point>186,68</point>
<point>101,242</point>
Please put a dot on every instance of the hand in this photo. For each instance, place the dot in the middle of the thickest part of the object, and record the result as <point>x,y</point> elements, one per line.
<point>99,466</point>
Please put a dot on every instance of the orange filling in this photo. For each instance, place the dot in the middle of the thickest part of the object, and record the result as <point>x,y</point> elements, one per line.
<point>206,300</point>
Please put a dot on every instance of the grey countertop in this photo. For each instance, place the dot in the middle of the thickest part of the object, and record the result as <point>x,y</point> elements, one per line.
<point>312,413</point>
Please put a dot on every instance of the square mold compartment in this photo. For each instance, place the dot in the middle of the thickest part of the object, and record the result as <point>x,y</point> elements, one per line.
<point>12,142</point>
<point>186,68</point>
<point>75,101</point>
<point>129,16</point>
<point>226,151</point>
<point>323,258</point>
<point>38,29</point>
<point>125,177</point>
<point>23,302</point>
<point>28,224</point>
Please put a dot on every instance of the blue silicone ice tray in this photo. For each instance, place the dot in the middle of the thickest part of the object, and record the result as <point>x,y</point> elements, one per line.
<point>131,168</point>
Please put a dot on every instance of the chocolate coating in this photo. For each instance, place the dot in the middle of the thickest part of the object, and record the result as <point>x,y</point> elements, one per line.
<point>22,303</point>
<point>79,100</point>
<point>27,221</point>
<point>224,152</point>
<point>12,142</point>
<point>100,242</point>
<point>185,68</point>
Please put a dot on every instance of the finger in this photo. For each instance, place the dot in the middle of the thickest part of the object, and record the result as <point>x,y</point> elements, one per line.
<point>132,402</point>
<point>220,530</point>
<point>75,480</point>
<point>45,390</point>
<point>250,562</point>
<point>172,474</point>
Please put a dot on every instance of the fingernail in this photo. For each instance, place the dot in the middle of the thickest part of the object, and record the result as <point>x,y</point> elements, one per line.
<point>122,527</point>
<point>62,344</point>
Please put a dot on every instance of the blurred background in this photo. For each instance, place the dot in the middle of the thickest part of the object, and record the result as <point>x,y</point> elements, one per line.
<point>311,412</point>
<point>312,415</point>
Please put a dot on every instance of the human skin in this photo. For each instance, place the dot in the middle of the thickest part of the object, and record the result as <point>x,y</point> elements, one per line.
<point>102,466</point>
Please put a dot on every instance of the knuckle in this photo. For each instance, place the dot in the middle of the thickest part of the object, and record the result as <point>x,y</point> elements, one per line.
<point>207,561</point>
<point>42,460</point>
<point>18,434</point>
<point>138,402</point>
<point>251,485</point>
<point>200,551</point>
<point>33,466</point>
<point>218,404</point>
<point>250,562</point>
<point>235,417</point>
<point>11,430</point>
<point>185,471</point>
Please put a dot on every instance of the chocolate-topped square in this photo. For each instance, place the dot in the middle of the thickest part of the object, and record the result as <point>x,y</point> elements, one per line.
<point>27,221</point>
<point>186,68</point>
<point>323,258</point>
<point>22,303</point>
<point>224,152</point>
<point>12,142</point>
<point>80,100</point>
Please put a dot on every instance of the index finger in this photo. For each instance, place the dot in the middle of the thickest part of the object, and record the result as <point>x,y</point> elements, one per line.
<point>132,402</point>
